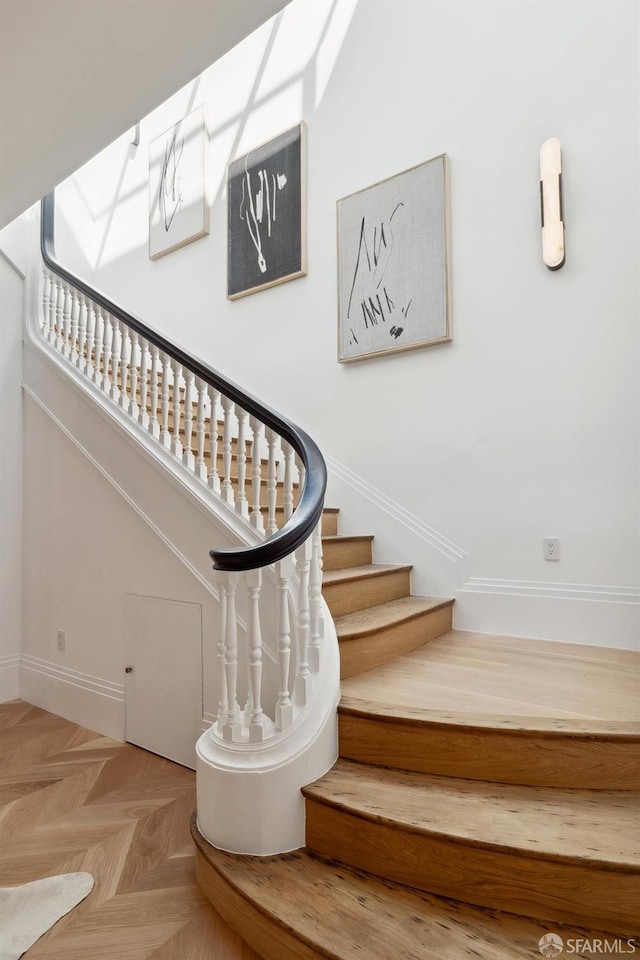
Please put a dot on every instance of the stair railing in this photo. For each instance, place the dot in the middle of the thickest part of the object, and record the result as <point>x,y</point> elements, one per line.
<point>246,456</point>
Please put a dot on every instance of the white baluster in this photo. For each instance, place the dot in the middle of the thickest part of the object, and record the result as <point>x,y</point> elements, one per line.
<point>116,343</point>
<point>227,488</point>
<point>258,722</point>
<point>256,473</point>
<point>176,445</point>
<point>232,726</point>
<point>99,341</point>
<point>53,302</point>
<point>302,687</point>
<point>59,314</point>
<point>288,479</point>
<point>82,332</point>
<point>272,472</point>
<point>315,599</point>
<point>124,366</point>
<point>107,346</point>
<point>91,338</point>
<point>46,300</point>
<point>214,479</point>
<point>284,707</point>
<point>201,463</point>
<point>187,456</point>
<point>297,493</point>
<point>165,436</point>
<point>75,317</point>
<point>134,409</point>
<point>66,330</point>
<point>154,426</point>
<point>242,504</point>
<point>143,416</point>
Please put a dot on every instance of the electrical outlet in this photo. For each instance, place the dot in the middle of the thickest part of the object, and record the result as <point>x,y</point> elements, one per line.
<point>551,547</point>
<point>61,642</point>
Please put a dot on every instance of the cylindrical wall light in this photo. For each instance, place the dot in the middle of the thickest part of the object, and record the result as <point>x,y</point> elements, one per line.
<point>551,204</point>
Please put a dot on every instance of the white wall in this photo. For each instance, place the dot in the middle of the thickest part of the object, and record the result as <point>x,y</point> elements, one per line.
<point>85,550</point>
<point>12,270</point>
<point>526,425</point>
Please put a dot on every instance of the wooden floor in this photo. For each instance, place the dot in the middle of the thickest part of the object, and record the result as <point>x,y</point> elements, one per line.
<point>505,676</point>
<point>71,800</point>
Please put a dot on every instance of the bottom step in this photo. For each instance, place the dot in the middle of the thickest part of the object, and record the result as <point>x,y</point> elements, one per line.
<point>296,907</point>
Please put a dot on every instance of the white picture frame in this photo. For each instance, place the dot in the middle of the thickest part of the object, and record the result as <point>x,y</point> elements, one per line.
<point>178,202</point>
<point>393,264</point>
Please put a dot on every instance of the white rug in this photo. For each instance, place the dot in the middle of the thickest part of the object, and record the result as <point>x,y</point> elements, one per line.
<point>28,911</point>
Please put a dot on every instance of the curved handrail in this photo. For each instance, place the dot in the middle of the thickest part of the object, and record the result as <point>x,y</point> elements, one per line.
<point>299,527</point>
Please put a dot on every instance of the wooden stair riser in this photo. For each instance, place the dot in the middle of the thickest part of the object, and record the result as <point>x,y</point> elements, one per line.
<point>501,756</point>
<point>266,937</point>
<point>296,907</point>
<point>346,552</point>
<point>348,596</point>
<point>517,882</point>
<point>374,649</point>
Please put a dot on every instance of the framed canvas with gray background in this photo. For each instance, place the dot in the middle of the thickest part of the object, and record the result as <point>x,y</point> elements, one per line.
<point>266,232</point>
<point>393,264</point>
<point>178,203</point>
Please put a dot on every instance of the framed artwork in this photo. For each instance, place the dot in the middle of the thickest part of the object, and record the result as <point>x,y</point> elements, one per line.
<point>178,203</point>
<point>393,272</point>
<point>266,199</point>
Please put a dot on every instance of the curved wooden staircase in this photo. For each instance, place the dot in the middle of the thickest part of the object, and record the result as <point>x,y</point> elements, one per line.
<point>486,792</point>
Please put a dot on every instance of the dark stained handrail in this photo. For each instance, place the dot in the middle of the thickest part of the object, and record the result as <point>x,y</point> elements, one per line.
<point>307,514</point>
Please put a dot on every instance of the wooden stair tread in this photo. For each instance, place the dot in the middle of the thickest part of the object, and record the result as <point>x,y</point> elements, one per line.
<point>525,726</point>
<point>360,623</point>
<point>574,826</point>
<point>348,538</point>
<point>474,679</point>
<point>297,907</point>
<point>365,572</point>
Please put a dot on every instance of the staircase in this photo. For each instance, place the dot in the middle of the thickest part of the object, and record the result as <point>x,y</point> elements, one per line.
<point>486,790</point>
<point>449,833</point>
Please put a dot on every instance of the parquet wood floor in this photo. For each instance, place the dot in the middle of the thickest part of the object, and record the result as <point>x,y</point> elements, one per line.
<point>70,800</point>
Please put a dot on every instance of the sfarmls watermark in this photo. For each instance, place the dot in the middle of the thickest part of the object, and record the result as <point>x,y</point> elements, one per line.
<point>552,945</point>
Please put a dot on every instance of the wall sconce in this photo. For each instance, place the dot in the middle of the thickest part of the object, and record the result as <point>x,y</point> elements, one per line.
<point>551,204</point>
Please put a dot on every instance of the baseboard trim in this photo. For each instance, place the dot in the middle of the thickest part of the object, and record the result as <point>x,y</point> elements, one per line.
<point>9,677</point>
<point>601,593</point>
<point>80,697</point>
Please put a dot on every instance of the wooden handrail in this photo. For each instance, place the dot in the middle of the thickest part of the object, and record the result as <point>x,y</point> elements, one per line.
<point>299,527</point>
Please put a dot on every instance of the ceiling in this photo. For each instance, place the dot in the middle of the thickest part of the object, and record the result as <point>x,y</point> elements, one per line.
<point>75,74</point>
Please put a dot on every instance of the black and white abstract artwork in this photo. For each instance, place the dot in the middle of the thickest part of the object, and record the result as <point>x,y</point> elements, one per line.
<point>266,241</point>
<point>178,206</point>
<point>393,264</point>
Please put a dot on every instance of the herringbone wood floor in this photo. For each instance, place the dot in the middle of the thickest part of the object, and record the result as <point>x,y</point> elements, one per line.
<point>70,800</point>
